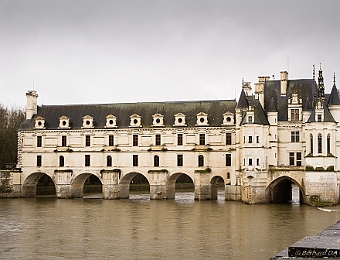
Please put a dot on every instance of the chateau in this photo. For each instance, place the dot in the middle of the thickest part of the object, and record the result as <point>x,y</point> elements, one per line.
<point>279,142</point>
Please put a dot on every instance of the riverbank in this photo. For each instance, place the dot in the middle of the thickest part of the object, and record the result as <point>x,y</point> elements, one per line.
<point>323,245</point>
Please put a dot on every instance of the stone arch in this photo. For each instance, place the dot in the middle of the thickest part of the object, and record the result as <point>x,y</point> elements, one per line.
<point>214,186</point>
<point>280,190</point>
<point>124,184</point>
<point>29,186</point>
<point>171,184</point>
<point>77,185</point>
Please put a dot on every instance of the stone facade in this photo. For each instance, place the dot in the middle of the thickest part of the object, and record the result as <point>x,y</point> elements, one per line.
<point>283,137</point>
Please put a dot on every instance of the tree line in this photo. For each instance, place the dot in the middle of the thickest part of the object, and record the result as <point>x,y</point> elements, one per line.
<point>10,120</point>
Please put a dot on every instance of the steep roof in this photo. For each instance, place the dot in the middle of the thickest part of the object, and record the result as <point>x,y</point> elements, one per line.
<point>51,113</point>
<point>327,115</point>
<point>242,101</point>
<point>259,114</point>
<point>306,88</point>
<point>334,97</point>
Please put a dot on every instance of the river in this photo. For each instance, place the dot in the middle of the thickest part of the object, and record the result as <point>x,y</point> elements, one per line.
<point>139,228</point>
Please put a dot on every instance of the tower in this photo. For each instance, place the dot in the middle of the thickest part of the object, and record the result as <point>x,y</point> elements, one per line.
<point>31,105</point>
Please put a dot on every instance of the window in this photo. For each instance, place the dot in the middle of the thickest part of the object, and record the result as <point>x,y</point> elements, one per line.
<point>179,159</point>
<point>135,160</point>
<point>257,139</point>
<point>250,139</point>
<point>319,118</point>
<point>258,162</point>
<point>328,144</point>
<point>291,159</point>
<point>319,143</point>
<point>294,114</point>
<point>111,140</point>
<point>298,159</point>
<point>200,160</point>
<point>228,160</point>
<point>39,141</point>
<point>179,139</point>
<point>87,140</point>
<point>250,161</point>
<point>109,161</point>
<point>311,143</point>
<point>63,140</point>
<point>295,136</point>
<point>228,175</point>
<point>228,139</point>
<point>39,160</point>
<point>61,161</point>
<point>250,119</point>
<point>87,160</point>
<point>202,139</point>
<point>158,139</point>
<point>135,140</point>
<point>156,161</point>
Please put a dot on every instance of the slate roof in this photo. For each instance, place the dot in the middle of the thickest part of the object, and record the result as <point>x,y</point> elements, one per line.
<point>51,113</point>
<point>306,89</point>
<point>327,116</point>
<point>334,97</point>
<point>259,114</point>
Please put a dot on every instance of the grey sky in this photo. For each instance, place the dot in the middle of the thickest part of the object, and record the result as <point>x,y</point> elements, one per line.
<point>80,51</point>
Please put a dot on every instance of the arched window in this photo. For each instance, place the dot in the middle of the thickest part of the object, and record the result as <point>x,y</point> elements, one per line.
<point>109,161</point>
<point>328,143</point>
<point>319,143</point>
<point>200,160</point>
<point>311,143</point>
<point>156,161</point>
<point>61,161</point>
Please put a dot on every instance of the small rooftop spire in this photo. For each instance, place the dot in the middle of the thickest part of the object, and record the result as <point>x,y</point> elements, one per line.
<point>334,79</point>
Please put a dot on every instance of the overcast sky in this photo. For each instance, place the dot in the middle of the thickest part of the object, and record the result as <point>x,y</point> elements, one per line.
<point>81,51</point>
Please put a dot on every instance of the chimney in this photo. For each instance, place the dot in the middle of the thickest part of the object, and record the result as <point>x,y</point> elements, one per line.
<point>284,82</point>
<point>31,105</point>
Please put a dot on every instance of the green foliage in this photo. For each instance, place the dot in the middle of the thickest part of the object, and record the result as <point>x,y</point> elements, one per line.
<point>5,185</point>
<point>10,120</point>
<point>309,168</point>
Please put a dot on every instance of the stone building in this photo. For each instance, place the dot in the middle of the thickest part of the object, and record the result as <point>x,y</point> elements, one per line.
<point>277,144</point>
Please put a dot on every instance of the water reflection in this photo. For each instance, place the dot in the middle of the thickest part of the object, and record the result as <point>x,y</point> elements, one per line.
<point>140,228</point>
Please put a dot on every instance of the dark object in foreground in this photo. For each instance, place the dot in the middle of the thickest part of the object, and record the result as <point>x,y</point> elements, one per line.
<point>325,244</point>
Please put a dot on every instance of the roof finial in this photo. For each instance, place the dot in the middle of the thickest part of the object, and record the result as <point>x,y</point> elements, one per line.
<point>334,79</point>
<point>313,71</point>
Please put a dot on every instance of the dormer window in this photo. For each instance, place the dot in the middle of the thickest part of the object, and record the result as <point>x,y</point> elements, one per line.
<point>157,120</point>
<point>202,119</point>
<point>64,122</point>
<point>111,121</point>
<point>228,118</point>
<point>40,122</point>
<point>250,119</point>
<point>88,121</point>
<point>135,120</point>
<point>294,108</point>
<point>179,119</point>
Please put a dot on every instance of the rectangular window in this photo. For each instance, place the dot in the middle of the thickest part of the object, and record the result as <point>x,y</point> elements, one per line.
<point>250,139</point>
<point>179,139</point>
<point>39,160</point>
<point>228,139</point>
<point>63,140</point>
<point>87,160</point>
<point>250,119</point>
<point>294,114</point>
<point>61,161</point>
<point>202,139</point>
<point>295,136</point>
<point>298,159</point>
<point>291,159</point>
<point>87,140</point>
<point>319,143</point>
<point>135,140</point>
<point>257,139</point>
<point>158,139</point>
<point>228,160</point>
<point>179,159</point>
<point>39,141</point>
<point>135,160</point>
<point>319,118</point>
<point>250,161</point>
<point>111,140</point>
<point>258,162</point>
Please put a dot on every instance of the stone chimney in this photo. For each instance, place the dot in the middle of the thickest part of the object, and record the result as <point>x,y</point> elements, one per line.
<point>284,82</point>
<point>31,105</point>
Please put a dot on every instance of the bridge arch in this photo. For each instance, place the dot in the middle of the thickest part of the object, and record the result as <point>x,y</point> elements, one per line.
<point>77,185</point>
<point>217,182</point>
<point>172,184</point>
<point>285,190</point>
<point>29,186</point>
<point>127,179</point>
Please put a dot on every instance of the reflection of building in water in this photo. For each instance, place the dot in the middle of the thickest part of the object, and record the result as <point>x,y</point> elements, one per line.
<point>279,144</point>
